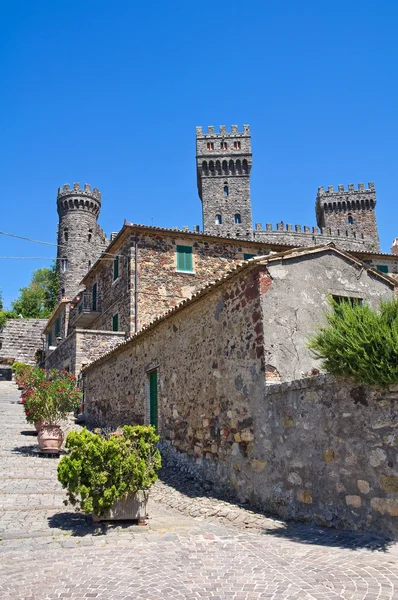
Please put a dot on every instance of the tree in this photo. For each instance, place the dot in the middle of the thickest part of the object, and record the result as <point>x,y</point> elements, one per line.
<point>359,342</point>
<point>39,298</point>
<point>4,314</point>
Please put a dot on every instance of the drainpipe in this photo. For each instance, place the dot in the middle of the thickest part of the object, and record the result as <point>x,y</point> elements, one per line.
<point>135,284</point>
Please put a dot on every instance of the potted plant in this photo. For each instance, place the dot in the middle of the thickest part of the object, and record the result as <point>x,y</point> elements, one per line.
<point>108,476</point>
<point>54,398</point>
<point>21,373</point>
<point>32,377</point>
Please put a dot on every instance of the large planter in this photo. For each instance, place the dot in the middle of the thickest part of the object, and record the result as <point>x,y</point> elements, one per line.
<point>131,508</point>
<point>38,425</point>
<point>50,438</point>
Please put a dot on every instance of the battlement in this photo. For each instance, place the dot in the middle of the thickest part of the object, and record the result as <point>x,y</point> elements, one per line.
<point>67,191</point>
<point>223,133</point>
<point>281,227</point>
<point>351,189</point>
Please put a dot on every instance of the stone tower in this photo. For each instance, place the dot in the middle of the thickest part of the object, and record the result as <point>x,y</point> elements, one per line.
<point>224,162</point>
<point>349,212</point>
<point>81,240</point>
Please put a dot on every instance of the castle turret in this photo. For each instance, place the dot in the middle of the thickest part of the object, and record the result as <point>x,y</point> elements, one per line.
<point>224,162</point>
<point>81,240</point>
<point>349,211</point>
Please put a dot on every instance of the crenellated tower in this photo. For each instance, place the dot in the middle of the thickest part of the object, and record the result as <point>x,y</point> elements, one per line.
<point>81,240</point>
<point>224,162</point>
<point>350,212</point>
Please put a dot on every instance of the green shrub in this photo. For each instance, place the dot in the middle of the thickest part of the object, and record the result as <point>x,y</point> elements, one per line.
<point>50,396</point>
<point>100,470</point>
<point>359,342</point>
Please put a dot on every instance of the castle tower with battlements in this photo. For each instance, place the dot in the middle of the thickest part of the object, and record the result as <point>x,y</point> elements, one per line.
<point>349,211</point>
<point>81,240</point>
<point>223,165</point>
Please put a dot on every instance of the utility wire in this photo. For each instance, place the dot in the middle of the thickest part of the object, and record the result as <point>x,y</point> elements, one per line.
<point>20,237</point>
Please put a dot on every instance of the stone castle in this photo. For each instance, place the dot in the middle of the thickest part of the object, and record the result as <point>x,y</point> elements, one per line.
<point>223,161</point>
<point>203,334</point>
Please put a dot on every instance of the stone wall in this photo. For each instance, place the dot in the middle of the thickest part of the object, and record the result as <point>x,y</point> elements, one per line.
<point>296,303</point>
<point>160,285</point>
<point>20,338</point>
<point>81,240</point>
<point>209,356</point>
<point>225,159</point>
<point>343,238</point>
<point>81,347</point>
<point>316,449</point>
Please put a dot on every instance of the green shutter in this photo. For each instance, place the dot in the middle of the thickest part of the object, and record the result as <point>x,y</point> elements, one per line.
<point>153,398</point>
<point>50,339</point>
<point>247,256</point>
<point>58,327</point>
<point>184,258</point>
<point>115,268</point>
<point>115,322</point>
<point>382,268</point>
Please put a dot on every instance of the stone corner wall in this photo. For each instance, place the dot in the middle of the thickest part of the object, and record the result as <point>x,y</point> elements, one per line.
<point>20,338</point>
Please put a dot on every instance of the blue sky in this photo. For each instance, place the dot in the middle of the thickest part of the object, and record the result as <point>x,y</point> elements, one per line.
<point>109,93</point>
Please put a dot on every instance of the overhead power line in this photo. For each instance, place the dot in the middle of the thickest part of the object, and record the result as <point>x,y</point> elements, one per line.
<point>20,237</point>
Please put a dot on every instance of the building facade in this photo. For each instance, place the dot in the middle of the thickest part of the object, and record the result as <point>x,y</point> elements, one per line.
<point>214,376</point>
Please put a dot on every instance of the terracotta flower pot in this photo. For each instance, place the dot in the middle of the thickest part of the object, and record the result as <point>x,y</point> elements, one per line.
<point>50,438</point>
<point>38,425</point>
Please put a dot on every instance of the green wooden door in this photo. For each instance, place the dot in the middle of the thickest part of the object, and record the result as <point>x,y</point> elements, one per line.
<point>153,398</point>
<point>94,302</point>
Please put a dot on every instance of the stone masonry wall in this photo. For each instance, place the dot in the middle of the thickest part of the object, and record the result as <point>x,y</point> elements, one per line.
<point>81,347</point>
<point>296,303</point>
<point>160,285</point>
<point>20,338</point>
<point>211,376</point>
<point>317,449</point>
<point>64,355</point>
<point>343,238</point>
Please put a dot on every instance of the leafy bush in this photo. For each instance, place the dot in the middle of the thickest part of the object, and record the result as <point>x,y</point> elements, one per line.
<point>359,342</point>
<point>50,396</point>
<point>100,470</point>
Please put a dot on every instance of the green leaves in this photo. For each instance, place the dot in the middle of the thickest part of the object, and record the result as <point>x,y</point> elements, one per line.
<point>359,342</point>
<point>99,470</point>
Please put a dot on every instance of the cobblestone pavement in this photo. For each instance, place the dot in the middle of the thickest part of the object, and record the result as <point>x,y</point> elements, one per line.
<point>195,546</point>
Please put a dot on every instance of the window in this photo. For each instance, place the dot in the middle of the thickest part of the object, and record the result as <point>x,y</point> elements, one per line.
<point>237,219</point>
<point>50,339</point>
<point>89,264</point>
<point>115,322</point>
<point>223,145</point>
<point>210,146</point>
<point>382,268</point>
<point>340,299</point>
<point>350,220</point>
<point>184,258</point>
<point>248,256</point>
<point>65,235</point>
<point>64,265</point>
<point>226,191</point>
<point>115,267</point>
<point>58,328</point>
<point>218,220</point>
<point>237,145</point>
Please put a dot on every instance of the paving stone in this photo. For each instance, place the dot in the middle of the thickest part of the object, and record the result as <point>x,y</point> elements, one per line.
<point>225,552</point>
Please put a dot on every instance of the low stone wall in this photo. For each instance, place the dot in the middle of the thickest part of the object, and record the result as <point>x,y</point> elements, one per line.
<point>20,338</point>
<point>81,347</point>
<point>325,451</point>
